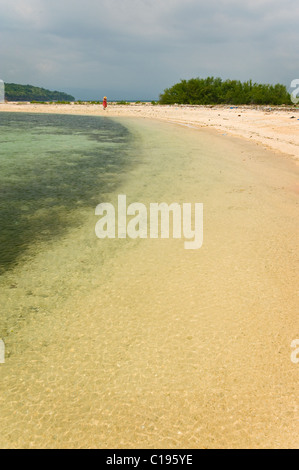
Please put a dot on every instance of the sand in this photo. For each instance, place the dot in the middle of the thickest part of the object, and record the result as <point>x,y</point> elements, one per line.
<point>157,346</point>
<point>273,128</point>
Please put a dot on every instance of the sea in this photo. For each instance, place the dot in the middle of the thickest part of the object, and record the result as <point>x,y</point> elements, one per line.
<point>139,343</point>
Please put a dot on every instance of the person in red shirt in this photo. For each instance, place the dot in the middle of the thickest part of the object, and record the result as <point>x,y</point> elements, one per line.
<point>105,103</point>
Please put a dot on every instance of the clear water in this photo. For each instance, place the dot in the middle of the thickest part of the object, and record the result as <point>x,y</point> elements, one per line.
<point>51,166</point>
<point>140,343</point>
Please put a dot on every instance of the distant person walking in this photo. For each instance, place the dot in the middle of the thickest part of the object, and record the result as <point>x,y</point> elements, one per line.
<point>104,103</point>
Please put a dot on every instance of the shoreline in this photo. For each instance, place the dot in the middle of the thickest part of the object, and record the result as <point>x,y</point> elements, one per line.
<point>274,128</point>
<point>140,343</point>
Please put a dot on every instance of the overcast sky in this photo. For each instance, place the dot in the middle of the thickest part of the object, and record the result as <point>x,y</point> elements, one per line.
<point>134,49</point>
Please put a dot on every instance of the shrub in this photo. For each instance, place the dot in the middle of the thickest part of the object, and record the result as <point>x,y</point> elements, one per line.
<point>212,90</point>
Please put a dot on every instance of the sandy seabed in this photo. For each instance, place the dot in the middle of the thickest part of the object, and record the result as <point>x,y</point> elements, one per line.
<point>275,128</point>
<point>142,344</point>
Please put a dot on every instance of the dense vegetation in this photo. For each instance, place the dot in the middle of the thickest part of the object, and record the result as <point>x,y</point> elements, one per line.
<point>216,91</point>
<point>14,92</point>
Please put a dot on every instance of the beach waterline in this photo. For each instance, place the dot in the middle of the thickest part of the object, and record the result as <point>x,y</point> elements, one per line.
<point>140,343</point>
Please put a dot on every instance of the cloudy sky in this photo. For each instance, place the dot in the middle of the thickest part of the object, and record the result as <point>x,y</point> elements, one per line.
<point>134,49</point>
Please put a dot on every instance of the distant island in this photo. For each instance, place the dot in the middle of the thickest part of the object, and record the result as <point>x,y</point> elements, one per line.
<point>205,91</point>
<point>15,92</point>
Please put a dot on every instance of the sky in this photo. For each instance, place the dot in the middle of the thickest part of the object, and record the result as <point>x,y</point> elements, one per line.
<point>134,49</point>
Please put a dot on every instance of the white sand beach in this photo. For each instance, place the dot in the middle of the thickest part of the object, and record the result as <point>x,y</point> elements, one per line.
<point>142,344</point>
<point>274,128</point>
<point>149,252</point>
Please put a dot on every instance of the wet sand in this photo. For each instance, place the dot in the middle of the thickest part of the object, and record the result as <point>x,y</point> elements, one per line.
<point>272,127</point>
<point>142,344</point>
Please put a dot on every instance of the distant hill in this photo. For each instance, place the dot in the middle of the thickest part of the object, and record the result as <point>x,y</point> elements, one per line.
<point>14,92</point>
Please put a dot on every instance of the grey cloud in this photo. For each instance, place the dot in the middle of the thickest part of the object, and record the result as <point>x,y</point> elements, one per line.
<point>136,48</point>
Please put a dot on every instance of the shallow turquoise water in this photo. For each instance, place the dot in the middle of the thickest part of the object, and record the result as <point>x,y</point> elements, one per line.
<point>50,166</point>
<point>140,343</point>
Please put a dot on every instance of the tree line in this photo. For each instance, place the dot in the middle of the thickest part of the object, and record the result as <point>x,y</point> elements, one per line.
<point>212,90</point>
<point>15,92</point>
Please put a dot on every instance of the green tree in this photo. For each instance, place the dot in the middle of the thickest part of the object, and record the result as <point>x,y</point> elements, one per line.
<point>215,91</point>
<point>15,92</point>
